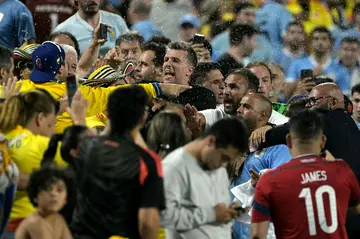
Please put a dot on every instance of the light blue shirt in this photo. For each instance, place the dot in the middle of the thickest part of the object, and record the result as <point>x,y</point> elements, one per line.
<point>16,24</point>
<point>268,158</point>
<point>273,18</point>
<point>147,29</point>
<point>84,33</point>
<point>332,70</point>
<point>348,33</point>
<point>284,58</point>
<point>262,52</point>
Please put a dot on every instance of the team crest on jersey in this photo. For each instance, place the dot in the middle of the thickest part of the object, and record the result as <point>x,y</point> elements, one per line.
<point>38,63</point>
<point>112,34</point>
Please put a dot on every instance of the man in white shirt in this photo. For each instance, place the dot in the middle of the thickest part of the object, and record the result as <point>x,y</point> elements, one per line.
<point>87,18</point>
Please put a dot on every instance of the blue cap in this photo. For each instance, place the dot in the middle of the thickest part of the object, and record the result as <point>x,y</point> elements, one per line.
<point>47,60</point>
<point>190,18</point>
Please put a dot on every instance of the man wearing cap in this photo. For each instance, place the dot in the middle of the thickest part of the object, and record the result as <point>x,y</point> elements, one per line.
<point>189,26</point>
<point>47,60</point>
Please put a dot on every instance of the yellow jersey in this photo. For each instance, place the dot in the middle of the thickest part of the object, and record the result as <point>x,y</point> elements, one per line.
<point>26,150</point>
<point>97,98</point>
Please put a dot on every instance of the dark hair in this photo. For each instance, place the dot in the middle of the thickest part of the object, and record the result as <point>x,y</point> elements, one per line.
<point>296,106</point>
<point>356,9</point>
<point>239,31</point>
<point>164,141</point>
<point>296,24</point>
<point>160,40</point>
<point>306,125</point>
<point>250,77</point>
<point>355,89</point>
<point>230,131</point>
<point>159,51</point>
<point>141,7</point>
<point>184,46</point>
<point>20,109</point>
<point>206,44</point>
<point>201,70</point>
<point>322,79</point>
<point>350,40</point>
<point>130,36</point>
<point>5,58</point>
<point>42,179</point>
<point>240,6</point>
<point>263,64</point>
<point>348,105</point>
<point>125,108</point>
<point>68,34</point>
<point>322,29</point>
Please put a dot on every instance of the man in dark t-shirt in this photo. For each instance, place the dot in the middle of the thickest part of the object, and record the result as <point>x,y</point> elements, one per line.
<point>120,184</point>
<point>242,43</point>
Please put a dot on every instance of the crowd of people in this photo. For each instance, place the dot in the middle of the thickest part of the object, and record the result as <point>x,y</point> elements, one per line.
<point>188,119</point>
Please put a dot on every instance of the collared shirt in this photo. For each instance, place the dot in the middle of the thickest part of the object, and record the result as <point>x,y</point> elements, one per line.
<point>332,69</point>
<point>16,24</point>
<point>84,33</point>
<point>354,72</point>
<point>284,58</point>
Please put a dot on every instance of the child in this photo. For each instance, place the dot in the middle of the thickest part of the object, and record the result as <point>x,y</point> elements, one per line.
<point>47,190</point>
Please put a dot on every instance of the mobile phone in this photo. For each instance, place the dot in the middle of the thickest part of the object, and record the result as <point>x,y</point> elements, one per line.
<point>103,31</point>
<point>198,39</point>
<point>306,73</point>
<point>254,173</point>
<point>71,87</point>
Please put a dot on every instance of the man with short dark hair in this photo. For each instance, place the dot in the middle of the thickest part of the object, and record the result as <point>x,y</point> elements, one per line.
<point>150,63</point>
<point>196,183</point>
<point>305,197</point>
<point>6,64</point>
<point>349,54</point>
<point>129,47</point>
<point>242,43</point>
<point>355,98</point>
<point>320,61</point>
<point>179,63</point>
<point>126,200</point>
<point>208,75</point>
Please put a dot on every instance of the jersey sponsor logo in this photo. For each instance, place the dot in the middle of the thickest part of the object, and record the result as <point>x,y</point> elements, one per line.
<point>112,34</point>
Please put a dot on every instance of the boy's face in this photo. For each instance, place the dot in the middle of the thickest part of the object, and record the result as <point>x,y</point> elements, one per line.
<point>53,198</point>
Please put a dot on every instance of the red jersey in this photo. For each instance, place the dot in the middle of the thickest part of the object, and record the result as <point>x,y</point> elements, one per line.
<point>48,14</point>
<point>307,197</point>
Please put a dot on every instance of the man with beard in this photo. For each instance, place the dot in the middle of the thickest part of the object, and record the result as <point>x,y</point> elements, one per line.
<point>320,61</point>
<point>242,43</point>
<point>88,17</point>
<point>179,63</point>
<point>256,109</point>
<point>294,46</point>
<point>150,63</point>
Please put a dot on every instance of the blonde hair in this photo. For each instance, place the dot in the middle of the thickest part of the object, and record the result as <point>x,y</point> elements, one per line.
<point>20,109</point>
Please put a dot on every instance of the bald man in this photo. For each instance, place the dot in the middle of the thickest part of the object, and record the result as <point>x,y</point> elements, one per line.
<point>326,96</point>
<point>256,110</point>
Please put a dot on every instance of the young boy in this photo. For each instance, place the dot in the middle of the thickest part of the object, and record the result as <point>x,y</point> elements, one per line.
<point>47,190</point>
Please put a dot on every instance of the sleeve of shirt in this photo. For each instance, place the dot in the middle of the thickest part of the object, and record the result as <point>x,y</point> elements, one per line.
<point>98,97</point>
<point>285,19</point>
<point>276,135</point>
<point>292,72</point>
<point>151,180</point>
<point>178,216</point>
<point>25,25</point>
<point>279,155</point>
<point>261,209</point>
<point>212,116</point>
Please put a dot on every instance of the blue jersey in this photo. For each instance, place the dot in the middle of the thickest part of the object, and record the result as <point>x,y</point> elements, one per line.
<point>16,24</point>
<point>284,58</point>
<point>332,70</point>
<point>147,29</point>
<point>268,158</point>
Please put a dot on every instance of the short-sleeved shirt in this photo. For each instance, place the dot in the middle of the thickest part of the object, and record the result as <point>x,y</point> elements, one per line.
<point>307,197</point>
<point>16,24</point>
<point>332,70</point>
<point>84,33</point>
<point>48,14</point>
<point>284,58</point>
<point>147,29</point>
<point>116,179</point>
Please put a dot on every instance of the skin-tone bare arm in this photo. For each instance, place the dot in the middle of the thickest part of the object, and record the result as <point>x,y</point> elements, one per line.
<point>149,223</point>
<point>259,230</point>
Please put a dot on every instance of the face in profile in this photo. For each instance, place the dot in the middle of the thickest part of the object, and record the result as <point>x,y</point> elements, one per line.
<point>52,198</point>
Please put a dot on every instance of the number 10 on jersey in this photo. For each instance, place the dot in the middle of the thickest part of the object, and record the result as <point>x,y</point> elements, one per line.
<point>325,189</point>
